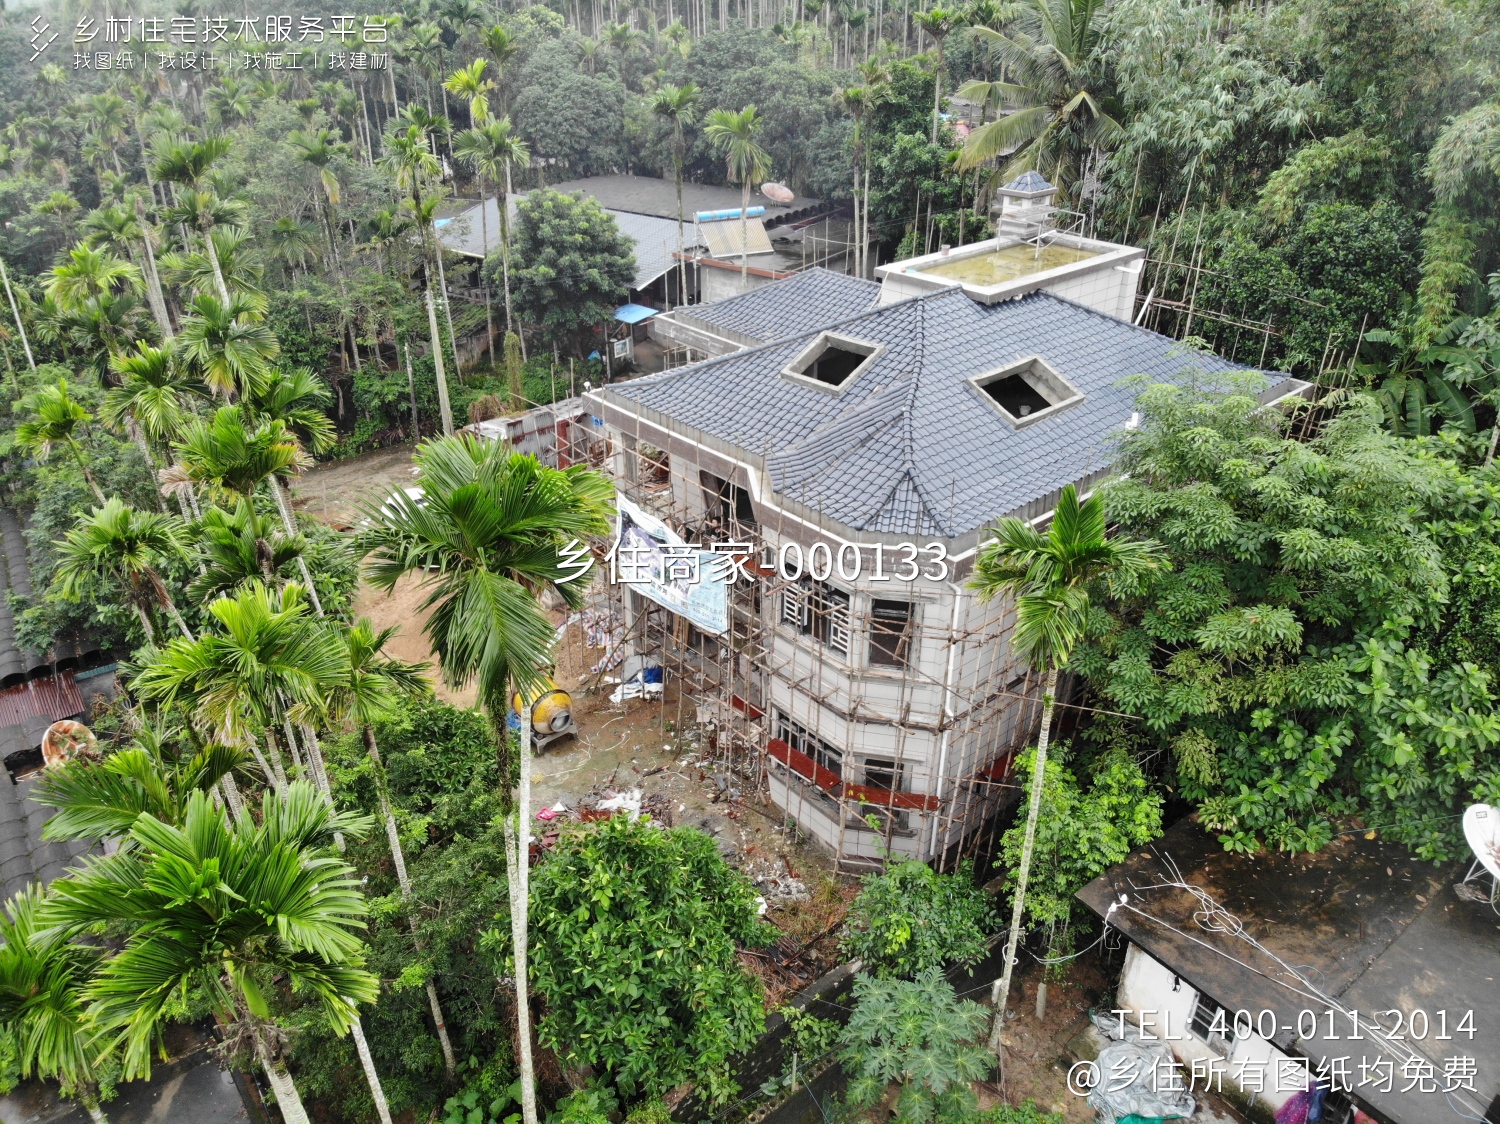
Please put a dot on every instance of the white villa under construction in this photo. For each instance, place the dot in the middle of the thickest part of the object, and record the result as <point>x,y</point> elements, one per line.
<point>855,439</point>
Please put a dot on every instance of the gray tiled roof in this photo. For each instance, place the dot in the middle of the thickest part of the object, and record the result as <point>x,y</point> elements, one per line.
<point>807,300</point>
<point>1029,181</point>
<point>911,447</point>
<point>15,578</point>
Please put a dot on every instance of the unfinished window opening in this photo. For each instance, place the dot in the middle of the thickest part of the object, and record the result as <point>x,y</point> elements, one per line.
<point>654,470</point>
<point>818,610</point>
<point>884,774</point>
<point>879,819</point>
<point>832,362</point>
<point>726,502</point>
<point>803,740</point>
<point>890,633</point>
<point>1028,391</point>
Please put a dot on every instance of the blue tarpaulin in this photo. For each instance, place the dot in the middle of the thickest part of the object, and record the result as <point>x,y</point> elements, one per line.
<point>634,313</point>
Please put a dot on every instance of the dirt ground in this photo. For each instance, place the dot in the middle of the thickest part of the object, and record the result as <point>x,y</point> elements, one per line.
<point>335,491</point>
<point>638,744</point>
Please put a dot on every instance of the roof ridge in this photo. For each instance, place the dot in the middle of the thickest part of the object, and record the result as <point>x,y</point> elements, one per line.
<point>908,439</point>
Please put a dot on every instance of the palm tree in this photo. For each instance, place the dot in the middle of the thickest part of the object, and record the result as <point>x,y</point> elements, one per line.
<point>263,901</point>
<point>409,159</point>
<point>679,106</point>
<point>128,231</point>
<point>240,547</point>
<point>424,46</point>
<point>295,400</point>
<point>270,664</point>
<point>492,149</point>
<point>227,344</point>
<point>502,47</point>
<point>291,241</point>
<point>858,101</point>
<point>190,165</point>
<point>1050,576</point>
<point>1055,51</point>
<point>487,534</point>
<point>239,265</point>
<point>118,542</point>
<point>101,799</point>
<point>375,682</point>
<point>227,455</point>
<point>109,122</point>
<point>89,273</point>
<point>733,136</point>
<point>58,420</point>
<point>937,22</point>
<point>298,399</point>
<point>155,393</point>
<point>469,82</point>
<point>42,1006</point>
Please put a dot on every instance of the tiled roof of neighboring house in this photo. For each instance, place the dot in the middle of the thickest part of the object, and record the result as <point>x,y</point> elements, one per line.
<point>24,857</point>
<point>910,446</point>
<point>807,300</point>
<point>15,578</point>
<point>648,195</point>
<point>31,699</point>
<point>654,239</point>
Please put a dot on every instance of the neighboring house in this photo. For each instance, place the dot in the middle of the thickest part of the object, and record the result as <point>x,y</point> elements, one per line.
<point>34,693</point>
<point>872,439</point>
<point>654,239</point>
<point>784,239</point>
<point>1359,962</point>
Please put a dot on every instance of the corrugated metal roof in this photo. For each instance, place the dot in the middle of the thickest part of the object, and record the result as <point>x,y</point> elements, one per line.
<point>911,446</point>
<point>723,238</point>
<point>50,697</point>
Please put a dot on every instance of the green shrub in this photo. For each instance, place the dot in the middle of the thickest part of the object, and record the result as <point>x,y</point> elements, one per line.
<point>919,1034</point>
<point>910,919</point>
<point>635,930</point>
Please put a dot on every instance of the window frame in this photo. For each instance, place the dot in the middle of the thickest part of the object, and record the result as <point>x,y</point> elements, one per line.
<point>823,614</point>
<point>904,639</point>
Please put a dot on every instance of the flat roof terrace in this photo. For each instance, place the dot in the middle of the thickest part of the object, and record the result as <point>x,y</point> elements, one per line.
<point>1101,275</point>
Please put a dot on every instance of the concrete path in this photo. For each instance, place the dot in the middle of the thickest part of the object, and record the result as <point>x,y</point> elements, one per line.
<point>190,1090</point>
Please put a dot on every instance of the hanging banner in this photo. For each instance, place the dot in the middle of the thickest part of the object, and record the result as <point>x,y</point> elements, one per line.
<point>653,560</point>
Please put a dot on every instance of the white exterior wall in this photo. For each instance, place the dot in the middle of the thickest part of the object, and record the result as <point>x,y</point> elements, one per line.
<point>716,283</point>
<point>1110,291</point>
<point>1161,1003</point>
<point>874,711</point>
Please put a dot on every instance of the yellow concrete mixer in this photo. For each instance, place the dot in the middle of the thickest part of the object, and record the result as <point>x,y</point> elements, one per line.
<point>551,710</point>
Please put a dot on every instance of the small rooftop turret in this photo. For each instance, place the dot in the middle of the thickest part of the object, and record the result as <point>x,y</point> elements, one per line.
<point>1023,207</point>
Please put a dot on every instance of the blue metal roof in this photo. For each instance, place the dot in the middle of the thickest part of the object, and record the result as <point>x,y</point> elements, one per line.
<point>634,313</point>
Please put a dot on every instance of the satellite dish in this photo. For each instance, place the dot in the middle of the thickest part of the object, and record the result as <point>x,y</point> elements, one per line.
<point>777,192</point>
<point>1482,830</point>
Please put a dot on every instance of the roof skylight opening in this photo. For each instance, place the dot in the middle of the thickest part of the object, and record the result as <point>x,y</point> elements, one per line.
<point>1016,396</point>
<point>1027,392</point>
<point>835,365</point>
<point>831,362</point>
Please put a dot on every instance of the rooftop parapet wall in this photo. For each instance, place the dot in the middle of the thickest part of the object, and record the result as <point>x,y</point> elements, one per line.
<point>1105,280</point>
